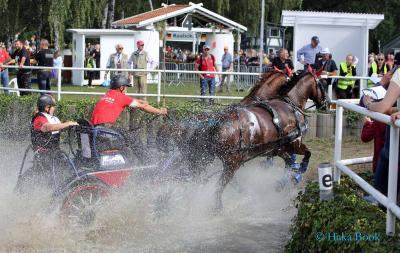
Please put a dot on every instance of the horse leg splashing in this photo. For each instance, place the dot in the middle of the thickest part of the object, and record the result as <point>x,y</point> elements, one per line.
<point>266,138</point>
<point>231,165</point>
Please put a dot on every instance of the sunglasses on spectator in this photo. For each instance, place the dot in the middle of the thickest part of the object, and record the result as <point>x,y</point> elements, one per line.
<point>381,59</point>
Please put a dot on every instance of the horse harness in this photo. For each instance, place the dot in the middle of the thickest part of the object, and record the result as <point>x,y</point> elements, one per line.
<point>301,126</point>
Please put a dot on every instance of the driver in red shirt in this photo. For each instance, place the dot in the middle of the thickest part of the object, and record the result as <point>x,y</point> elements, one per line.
<point>111,105</point>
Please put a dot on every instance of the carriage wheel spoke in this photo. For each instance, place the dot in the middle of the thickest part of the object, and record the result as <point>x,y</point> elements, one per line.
<point>98,201</point>
<point>77,208</point>
<point>83,201</point>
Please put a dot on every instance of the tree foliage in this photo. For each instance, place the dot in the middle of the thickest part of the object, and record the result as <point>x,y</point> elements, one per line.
<point>50,18</point>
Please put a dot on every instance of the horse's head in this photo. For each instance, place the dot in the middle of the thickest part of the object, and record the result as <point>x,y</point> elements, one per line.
<point>318,94</point>
<point>307,86</point>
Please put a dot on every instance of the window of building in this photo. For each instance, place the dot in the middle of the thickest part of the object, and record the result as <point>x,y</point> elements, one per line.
<point>274,32</point>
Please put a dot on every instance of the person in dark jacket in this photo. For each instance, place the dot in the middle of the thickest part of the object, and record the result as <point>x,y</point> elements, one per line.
<point>44,58</point>
<point>325,65</point>
<point>22,60</point>
<point>374,130</point>
<point>282,62</point>
<point>90,62</point>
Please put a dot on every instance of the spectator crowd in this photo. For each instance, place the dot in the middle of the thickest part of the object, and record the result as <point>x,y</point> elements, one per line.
<point>26,53</point>
<point>312,56</point>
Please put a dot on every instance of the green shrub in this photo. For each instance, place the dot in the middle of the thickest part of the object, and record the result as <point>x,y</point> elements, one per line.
<point>347,214</point>
<point>16,112</point>
<point>353,119</point>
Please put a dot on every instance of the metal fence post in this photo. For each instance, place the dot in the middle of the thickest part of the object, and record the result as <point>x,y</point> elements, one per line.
<point>392,178</point>
<point>159,87</point>
<point>338,141</point>
<point>59,83</point>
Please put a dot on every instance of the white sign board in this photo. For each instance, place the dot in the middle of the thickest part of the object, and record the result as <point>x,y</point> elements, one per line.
<point>325,178</point>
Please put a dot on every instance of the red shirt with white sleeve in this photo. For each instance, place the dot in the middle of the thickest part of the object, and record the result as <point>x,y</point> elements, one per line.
<point>38,122</point>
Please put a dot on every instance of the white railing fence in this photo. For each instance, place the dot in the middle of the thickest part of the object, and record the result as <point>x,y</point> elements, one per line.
<point>390,202</point>
<point>160,78</point>
<point>173,74</point>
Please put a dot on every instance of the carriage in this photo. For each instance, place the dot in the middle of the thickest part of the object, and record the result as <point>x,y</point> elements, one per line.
<point>81,174</point>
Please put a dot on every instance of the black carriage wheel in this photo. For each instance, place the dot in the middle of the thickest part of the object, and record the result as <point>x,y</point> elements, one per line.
<point>81,203</point>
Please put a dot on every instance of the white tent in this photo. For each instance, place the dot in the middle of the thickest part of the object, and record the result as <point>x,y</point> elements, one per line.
<point>342,33</point>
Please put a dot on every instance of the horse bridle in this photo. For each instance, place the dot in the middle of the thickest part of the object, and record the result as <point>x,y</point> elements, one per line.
<point>325,102</point>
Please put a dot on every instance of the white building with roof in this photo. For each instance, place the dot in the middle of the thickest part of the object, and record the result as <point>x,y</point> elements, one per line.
<point>188,26</point>
<point>342,33</point>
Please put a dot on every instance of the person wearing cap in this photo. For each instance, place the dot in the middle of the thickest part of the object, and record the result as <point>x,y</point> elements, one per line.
<point>45,126</point>
<point>226,63</point>
<point>45,135</point>
<point>326,65</point>
<point>117,60</point>
<point>4,56</point>
<point>108,109</point>
<point>307,54</point>
<point>206,62</point>
<point>110,106</point>
<point>282,62</point>
<point>139,60</point>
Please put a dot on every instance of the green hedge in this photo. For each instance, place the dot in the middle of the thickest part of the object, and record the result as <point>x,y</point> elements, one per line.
<point>16,112</point>
<point>347,214</point>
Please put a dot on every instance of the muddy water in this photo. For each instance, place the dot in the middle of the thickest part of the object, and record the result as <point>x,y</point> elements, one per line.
<point>255,217</point>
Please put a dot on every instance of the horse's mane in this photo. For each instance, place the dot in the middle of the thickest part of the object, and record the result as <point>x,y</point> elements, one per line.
<point>261,81</point>
<point>292,82</point>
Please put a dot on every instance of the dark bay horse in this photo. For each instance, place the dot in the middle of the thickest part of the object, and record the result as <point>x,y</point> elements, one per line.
<point>253,131</point>
<point>194,130</point>
<point>244,131</point>
<point>269,88</point>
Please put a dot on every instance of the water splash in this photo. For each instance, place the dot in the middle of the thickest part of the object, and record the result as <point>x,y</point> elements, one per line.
<point>152,217</point>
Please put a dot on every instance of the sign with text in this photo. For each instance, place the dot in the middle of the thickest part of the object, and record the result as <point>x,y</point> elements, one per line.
<point>325,176</point>
<point>180,36</point>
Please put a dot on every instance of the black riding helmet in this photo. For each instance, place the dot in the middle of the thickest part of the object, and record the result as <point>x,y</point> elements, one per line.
<point>45,100</point>
<point>119,81</point>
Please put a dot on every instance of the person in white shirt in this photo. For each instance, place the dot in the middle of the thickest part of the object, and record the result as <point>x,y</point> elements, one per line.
<point>386,104</point>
